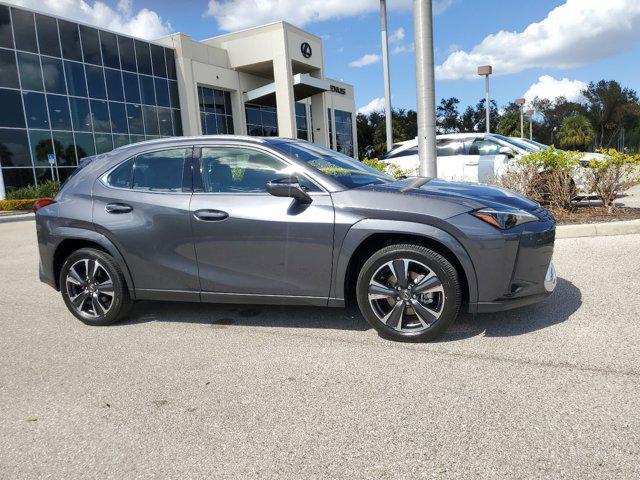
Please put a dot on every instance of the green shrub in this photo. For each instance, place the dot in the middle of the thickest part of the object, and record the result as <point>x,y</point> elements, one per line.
<point>9,205</point>
<point>48,189</point>
<point>613,174</point>
<point>389,169</point>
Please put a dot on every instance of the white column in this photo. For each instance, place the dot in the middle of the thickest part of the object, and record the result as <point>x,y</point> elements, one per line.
<point>285,102</point>
<point>320,120</point>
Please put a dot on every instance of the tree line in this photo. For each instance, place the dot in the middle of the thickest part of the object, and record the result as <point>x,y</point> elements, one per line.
<point>609,117</point>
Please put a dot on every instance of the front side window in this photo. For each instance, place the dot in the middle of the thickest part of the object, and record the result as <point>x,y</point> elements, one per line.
<point>447,148</point>
<point>243,170</point>
<point>160,171</point>
<point>484,147</point>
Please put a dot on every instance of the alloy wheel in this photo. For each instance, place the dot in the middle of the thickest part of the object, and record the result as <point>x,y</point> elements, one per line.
<point>406,295</point>
<point>90,288</point>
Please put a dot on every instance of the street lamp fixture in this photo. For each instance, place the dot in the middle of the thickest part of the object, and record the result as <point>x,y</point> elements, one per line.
<point>485,71</point>
<point>520,102</point>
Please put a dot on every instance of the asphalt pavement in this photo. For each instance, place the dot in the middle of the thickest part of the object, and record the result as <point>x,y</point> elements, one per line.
<point>235,391</point>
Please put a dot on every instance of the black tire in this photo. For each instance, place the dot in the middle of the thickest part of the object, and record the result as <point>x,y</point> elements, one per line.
<point>120,303</point>
<point>450,294</point>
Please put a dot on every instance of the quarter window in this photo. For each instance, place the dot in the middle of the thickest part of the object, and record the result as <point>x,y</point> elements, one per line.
<point>121,176</point>
<point>242,170</point>
<point>160,171</point>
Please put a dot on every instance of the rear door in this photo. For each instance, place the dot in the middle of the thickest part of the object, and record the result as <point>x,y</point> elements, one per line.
<point>142,206</point>
<point>249,242</point>
<point>451,159</point>
<point>487,154</point>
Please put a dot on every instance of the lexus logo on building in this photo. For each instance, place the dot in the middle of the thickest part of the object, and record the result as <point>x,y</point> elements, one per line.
<point>305,48</point>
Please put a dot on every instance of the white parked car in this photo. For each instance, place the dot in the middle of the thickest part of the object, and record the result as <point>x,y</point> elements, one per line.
<point>470,157</point>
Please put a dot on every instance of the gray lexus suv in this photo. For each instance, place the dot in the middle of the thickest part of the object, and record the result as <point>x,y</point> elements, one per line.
<point>275,221</point>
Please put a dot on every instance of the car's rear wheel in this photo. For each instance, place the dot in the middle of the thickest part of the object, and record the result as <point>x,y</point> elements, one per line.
<point>93,287</point>
<point>408,292</point>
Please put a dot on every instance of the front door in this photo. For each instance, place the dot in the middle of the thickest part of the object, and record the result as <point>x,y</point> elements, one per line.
<point>249,242</point>
<point>143,208</point>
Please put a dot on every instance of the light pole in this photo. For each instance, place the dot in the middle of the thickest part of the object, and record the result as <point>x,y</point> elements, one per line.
<point>425,87</point>
<point>531,113</point>
<point>520,103</point>
<point>486,70</point>
<point>387,77</point>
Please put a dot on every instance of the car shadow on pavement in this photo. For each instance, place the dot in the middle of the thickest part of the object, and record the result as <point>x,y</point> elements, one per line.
<point>564,301</point>
<point>221,315</point>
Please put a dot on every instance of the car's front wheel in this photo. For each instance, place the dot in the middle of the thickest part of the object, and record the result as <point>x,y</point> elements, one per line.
<point>93,287</point>
<point>408,292</point>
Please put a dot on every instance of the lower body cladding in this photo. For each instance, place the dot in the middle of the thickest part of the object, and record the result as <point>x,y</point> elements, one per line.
<point>513,268</point>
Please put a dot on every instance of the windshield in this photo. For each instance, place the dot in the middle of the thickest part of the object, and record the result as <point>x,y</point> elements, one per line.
<point>343,169</point>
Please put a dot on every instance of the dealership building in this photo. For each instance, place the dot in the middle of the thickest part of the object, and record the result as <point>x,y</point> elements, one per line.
<point>69,90</point>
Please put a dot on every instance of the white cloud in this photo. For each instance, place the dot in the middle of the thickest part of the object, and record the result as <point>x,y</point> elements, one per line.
<point>367,59</point>
<point>397,36</point>
<point>375,105</point>
<point>238,14</point>
<point>144,23</point>
<point>551,88</point>
<point>403,48</point>
<point>574,34</point>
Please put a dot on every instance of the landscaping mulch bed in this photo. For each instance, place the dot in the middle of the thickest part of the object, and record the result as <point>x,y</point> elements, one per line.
<point>595,214</point>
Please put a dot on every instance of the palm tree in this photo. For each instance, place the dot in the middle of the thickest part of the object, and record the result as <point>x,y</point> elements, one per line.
<point>575,132</point>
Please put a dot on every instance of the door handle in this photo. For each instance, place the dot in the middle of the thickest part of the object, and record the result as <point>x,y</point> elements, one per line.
<point>210,215</point>
<point>471,164</point>
<point>118,208</point>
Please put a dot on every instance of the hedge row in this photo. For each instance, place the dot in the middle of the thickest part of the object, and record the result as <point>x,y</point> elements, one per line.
<point>8,205</point>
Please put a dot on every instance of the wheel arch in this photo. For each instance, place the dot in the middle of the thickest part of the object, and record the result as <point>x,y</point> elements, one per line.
<point>368,236</point>
<point>75,239</point>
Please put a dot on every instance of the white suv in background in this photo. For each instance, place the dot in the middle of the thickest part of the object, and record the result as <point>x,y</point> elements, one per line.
<point>469,157</point>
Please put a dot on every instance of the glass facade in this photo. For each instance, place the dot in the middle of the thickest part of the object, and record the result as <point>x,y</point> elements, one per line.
<point>261,121</point>
<point>216,116</point>
<point>344,132</point>
<point>71,90</point>
<point>301,121</point>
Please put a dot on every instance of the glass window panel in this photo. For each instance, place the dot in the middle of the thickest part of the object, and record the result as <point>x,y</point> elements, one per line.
<point>164,119</point>
<point>131,87</point>
<point>143,56</point>
<point>268,131</point>
<point>64,173</point>
<point>100,116</point>
<point>162,92</point>
<point>227,103</point>
<point>148,92</point>
<point>208,100</point>
<point>48,35</point>
<point>30,73</point>
<point>95,82</point>
<point>76,82</point>
<point>150,116</point>
<point>301,109</point>
<point>177,123</point>
<point>15,178</point>
<point>6,35</point>
<point>44,175</point>
<point>120,140</point>
<point>118,117</point>
<point>104,143</point>
<point>53,74</point>
<point>114,84</point>
<point>70,39</point>
<point>121,177</point>
<point>127,53</point>
<point>109,44</point>
<point>157,59</point>
<point>210,121</point>
<point>84,145</point>
<point>41,146</point>
<point>134,116</point>
<point>65,148</point>
<point>8,69</point>
<point>59,112</point>
<point>90,45</point>
<point>160,171</point>
<point>24,30</point>
<point>254,130</point>
<point>35,107</point>
<point>221,124</point>
<point>173,94</point>
<point>269,118</point>
<point>171,63</point>
<point>11,114</point>
<point>218,98</point>
<point>253,116</point>
<point>14,148</point>
<point>203,123</point>
<point>80,114</point>
<point>229,120</point>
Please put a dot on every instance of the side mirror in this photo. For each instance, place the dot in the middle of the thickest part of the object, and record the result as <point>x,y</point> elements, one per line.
<point>288,187</point>
<point>508,151</point>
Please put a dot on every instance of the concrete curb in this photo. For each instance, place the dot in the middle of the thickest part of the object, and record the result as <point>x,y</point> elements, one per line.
<point>16,216</point>
<point>628,227</point>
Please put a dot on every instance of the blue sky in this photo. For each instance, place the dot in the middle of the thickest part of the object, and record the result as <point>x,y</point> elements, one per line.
<point>566,42</point>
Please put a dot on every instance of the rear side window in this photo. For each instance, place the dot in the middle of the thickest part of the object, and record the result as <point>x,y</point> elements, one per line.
<point>121,176</point>
<point>447,148</point>
<point>160,171</point>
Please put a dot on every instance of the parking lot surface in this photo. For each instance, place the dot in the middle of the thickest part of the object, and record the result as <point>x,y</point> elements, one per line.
<point>233,391</point>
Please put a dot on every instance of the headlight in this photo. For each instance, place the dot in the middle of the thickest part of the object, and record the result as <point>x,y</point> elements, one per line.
<point>504,218</point>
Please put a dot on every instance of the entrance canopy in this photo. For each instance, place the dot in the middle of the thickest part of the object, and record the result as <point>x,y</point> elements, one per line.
<point>304,86</point>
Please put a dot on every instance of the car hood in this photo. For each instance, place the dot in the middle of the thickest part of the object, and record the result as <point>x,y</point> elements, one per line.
<point>474,195</point>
